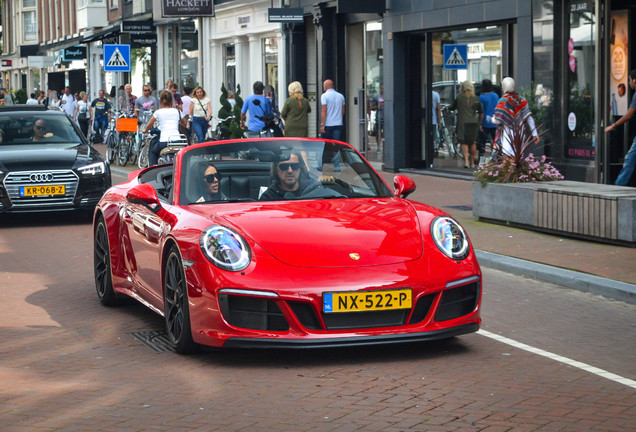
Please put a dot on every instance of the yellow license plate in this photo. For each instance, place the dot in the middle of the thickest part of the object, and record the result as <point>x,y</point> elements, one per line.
<point>363,301</point>
<point>42,190</point>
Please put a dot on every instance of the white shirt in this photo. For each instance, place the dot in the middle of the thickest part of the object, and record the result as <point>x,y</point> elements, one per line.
<point>31,101</point>
<point>68,104</point>
<point>168,119</point>
<point>334,102</point>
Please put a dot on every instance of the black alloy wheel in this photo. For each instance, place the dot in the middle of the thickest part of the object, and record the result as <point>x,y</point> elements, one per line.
<point>102,266</point>
<point>175,300</point>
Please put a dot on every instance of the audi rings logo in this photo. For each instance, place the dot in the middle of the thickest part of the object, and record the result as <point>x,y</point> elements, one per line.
<point>41,177</point>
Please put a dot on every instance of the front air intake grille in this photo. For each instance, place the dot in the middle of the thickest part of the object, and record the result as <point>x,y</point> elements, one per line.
<point>421,309</point>
<point>252,313</point>
<point>16,180</point>
<point>305,314</point>
<point>457,302</point>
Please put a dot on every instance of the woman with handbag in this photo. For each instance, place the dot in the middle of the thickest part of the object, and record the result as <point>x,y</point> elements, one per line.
<point>200,112</point>
<point>83,113</point>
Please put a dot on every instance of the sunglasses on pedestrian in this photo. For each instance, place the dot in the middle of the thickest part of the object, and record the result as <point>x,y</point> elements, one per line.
<point>210,178</point>
<point>146,90</point>
<point>285,166</point>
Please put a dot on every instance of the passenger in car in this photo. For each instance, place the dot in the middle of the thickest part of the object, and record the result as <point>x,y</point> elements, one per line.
<point>212,183</point>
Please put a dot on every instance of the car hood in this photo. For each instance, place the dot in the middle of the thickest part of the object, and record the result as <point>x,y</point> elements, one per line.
<point>44,157</point>
<point>332,233</point>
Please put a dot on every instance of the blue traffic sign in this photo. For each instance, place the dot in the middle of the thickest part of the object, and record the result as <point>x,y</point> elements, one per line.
<point>455,56</point>
<point>116,58</point>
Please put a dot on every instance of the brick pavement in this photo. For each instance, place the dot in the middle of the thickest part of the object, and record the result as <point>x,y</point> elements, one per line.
<point>69,364</point>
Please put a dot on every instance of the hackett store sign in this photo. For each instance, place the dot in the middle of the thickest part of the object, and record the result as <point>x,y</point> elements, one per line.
<point>181,8</point>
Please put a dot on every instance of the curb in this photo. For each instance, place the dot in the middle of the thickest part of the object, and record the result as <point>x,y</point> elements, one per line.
<point>609,288</point>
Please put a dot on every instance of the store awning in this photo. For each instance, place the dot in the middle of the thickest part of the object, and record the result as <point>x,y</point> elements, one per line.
<point>99,35</point>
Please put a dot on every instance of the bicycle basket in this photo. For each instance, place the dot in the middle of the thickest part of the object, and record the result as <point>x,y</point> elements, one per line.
<point>126,125</point>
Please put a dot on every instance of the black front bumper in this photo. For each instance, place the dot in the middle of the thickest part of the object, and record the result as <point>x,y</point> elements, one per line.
<point>240,342</point>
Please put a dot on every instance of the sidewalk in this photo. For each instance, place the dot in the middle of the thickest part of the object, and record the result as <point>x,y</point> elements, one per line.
<point>599,268</point>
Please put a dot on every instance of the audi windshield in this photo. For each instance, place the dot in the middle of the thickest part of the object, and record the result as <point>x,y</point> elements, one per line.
<point>25,128</point>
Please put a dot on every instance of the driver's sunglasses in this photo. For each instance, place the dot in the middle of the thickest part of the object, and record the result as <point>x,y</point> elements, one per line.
<point>285,166</point>
<point>210,178</point>
<point>39,127</point>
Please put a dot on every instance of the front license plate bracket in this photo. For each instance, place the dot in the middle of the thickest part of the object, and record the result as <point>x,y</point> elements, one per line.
<point>366,301</point>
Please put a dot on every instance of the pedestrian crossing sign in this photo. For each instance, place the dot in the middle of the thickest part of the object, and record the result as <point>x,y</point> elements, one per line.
<point>455,56</point>
<point>116,58</point>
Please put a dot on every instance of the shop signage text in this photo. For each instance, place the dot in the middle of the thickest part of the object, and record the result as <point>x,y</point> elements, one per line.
<point>74,53</point>
<point>137,26</point>
<point>285,15</point>
<point>187,8</point>
<point>143,40</point>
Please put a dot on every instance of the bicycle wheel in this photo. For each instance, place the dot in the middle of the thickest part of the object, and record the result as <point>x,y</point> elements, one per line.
<point>124,148</point>
<point>111,148</point>
<point>133,145</point>
<point>142,160</point>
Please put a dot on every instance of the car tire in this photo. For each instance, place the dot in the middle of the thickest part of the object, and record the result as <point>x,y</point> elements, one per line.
<point>176,308</point>
<point>102,266</point>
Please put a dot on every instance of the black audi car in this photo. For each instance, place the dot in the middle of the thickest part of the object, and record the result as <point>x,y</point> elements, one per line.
<point>46,163</point>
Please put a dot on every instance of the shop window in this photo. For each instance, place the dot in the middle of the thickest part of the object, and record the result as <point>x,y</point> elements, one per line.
<point>580,66</point>
<point>270,61</point>
<point>229,72</point>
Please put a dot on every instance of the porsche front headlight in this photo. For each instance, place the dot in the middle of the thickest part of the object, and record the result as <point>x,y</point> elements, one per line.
<point>450,237</point>
<point>93,169</point>
<point>225,249</point>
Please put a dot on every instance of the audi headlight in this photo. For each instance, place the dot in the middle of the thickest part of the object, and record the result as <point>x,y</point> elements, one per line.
<point>93,169</point>
<point>225,249</point>
<point>450,237</point>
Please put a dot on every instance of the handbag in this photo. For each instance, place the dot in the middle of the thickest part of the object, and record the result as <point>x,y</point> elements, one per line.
<point>182,129</point>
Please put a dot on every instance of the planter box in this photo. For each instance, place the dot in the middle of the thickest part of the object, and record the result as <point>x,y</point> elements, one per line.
<point>586,210</point>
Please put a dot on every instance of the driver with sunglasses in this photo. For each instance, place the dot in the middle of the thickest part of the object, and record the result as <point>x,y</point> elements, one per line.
<point>211,180</point>
<point>290,179</point>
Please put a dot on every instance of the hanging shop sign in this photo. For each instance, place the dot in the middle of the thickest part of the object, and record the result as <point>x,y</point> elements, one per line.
<point>187,27</point>
<point>285,15</point>
<point>137,27</point>
<point>143,40</point>
<point>40,61</point>
<point>581,6</point>
<point>361,6</point>
<point>7,63</point>
<point>187,8</point>
<point>74,53</point>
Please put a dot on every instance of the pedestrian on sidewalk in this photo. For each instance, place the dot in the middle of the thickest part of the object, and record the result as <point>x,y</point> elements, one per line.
<point>200,112</point>
<point>295,112</point>
<point>488,100</point>
<point>331,118</point>
<point>83,113</point>
<point>630,158</point>
<point>469,118</point>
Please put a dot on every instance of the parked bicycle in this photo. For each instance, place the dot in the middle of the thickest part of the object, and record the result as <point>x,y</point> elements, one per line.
<point>222,129</point>
<point>127,131</point>
<point>110,139</point>
<point>448,134</point>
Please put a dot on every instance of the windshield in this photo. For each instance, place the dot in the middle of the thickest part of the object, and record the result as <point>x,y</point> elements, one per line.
<point>276,170</point>
<point>19,128</point>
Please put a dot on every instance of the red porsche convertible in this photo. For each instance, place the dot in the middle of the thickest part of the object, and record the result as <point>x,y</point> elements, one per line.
<point>284,242</point>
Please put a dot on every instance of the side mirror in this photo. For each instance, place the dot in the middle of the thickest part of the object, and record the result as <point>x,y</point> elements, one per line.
<point>404,186</point>
<point>145,195</point>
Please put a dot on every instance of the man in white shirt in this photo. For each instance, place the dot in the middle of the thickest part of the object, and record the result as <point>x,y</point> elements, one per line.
<point>68,102</point>
<point>331,115</point>
<point>32,100</point>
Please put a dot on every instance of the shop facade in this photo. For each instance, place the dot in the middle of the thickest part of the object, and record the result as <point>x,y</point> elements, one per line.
<point>569,57</point>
